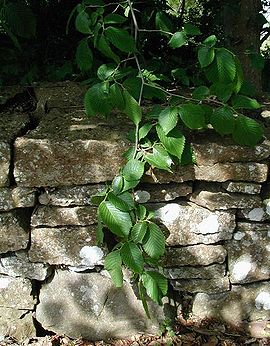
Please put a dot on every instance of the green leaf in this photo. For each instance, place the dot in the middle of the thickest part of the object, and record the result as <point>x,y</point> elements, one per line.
<point>156,285</point>
<point>105,71</point>
<point>206,56</point>
<point>159,158</point>
<point>168,118</point>
<point>112,264</point>
<point>226,65</point>
<point>96,100</point>
<point>118,184</point>
<point>118,202</point>
<point>99,232</point>
<point>138,232</point>
<point>154,244</point>
<point>163,22</point>
<point>83,22</point>
<point>116,97</point>
<point>192,116</point>
<point>84,56</point>
<point>144,130</point>
<point>133,170</point>
<point>114,18</point>
<point>223,91</point>
<point>223,120</point>
<point>104,47</point>
<point>130,184</point>
<point>191,29</point>
<point>181,75</point>
<point>128,199</point>
<point>132,108</point>
<point>239,76</point>
<point>99,197</point>
<point>121,39</point>
<point>174,142</point>
<point>247,131</point>
<point>142,294</point>
<point>141,211</point>
<point>210,41</point>
<point>178,39</point>
<point>201,93</point>
<point>117,221</point>
<point>188,157</point>
<point>240,101</point>
<point>132,257</point>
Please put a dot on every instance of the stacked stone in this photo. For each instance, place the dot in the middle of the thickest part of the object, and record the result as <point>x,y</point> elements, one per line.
<point>215,214</point>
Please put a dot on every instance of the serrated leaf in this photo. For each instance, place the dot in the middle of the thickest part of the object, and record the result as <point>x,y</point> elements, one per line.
<point>119,222</point>
<point>144,130</point>
<point>174,141</point>
<point>239,76</point>
<point>112,264</point>
<point>191,29</point>
<point>210,41</point>
<point>240,101</point>
<point>98,197</point>
<point>104,47</point>
<point>201,93</point>
<point>142,294</point>
<point>159,158</point>
<point>226,65</point>
<point>141,211</point>
<point>178,39</point>
<point>156,285</point>
<point>128,199</point>
<point>105,71</point>
<point>154,244</point>
<point>84,56</point>
<point>247,131</point>
<point>138,232</point>
<point>188,157</point>
<point>223,91</point>
<point>130,184</point>
<point>114,18</point>
<point>118,184</point>
<point>168,118</point>
<point>83,22</point>
<point>133,170</point>
<point>121,39</point>
<point>96,100</point>
<point>163,22</point>
<point>192,116</point>
<point>132,108</point>
<point>116,97</point>
<point>223,120</point>
<point>206,56</point>
<point>132,257</point>
<point>129,154</point>
<point>118,202</point>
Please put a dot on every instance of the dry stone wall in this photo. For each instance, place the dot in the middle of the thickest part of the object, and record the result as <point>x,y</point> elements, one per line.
<point>216,217</point>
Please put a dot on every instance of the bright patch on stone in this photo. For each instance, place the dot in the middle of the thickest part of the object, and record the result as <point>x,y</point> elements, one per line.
<point>262,301</point>
<point>238,236</point>
<point>141,196</point>
<point>256,214</point>
<point>91,255</point>
<point>169,213</point>
<point>4,282</point>
<point>209,225</point>
<point>268,207</point>
<point>242,267</point>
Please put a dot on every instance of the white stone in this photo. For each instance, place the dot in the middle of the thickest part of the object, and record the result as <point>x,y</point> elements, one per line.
<point>141,196</point>
<point>242,267</point>
<point>4,282</point>
<point>209,225</point>
<point>169,213</point>
<point>262,301</point>
<point>238,235</point>
<point>256,214</point>
<point>91,255</point>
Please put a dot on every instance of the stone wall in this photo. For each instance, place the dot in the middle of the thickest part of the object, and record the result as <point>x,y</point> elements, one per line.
<point>216,216</point>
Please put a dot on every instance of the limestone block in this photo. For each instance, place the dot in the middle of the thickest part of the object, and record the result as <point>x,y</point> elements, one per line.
<point>256,214</point>
<point>96,310</point>
<point>71,246</point>
<point>208,272</point>
<point>217,285</point>
<point>16,293</point>
<point>195,255</point>
<point>190,224</point>
<point>17,197</point>
<point>18,264</point>
<point>248,253</point>
<point>72,195</point>
<point>14,230</point>
<point>58,216</point>
<point>242,303</point>
<point>242,187</point>
<point>5,155</point>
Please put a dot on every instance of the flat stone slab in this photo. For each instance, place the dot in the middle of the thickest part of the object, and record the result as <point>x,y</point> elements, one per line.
<point>18,264</point>
<point>17,197</point>
<point>190,224</point>
<point>96,310</point>
<point>208,272</point>
<point>14,230</point>
<point>242,187</point>
<point>16,293</point>
<point>217,285</point>
<point>249,253</point>
<point>256,214</point>
<point>69,216</point>
<point>195,255</point>
<point>71,246</point>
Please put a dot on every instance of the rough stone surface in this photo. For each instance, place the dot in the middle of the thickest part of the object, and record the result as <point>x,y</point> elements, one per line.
<point>256,214</point>
<point>195,255</point>
<point>5,156</point>
<point>14,230</point>
<point>95,308</point>
<point>217,285</point>
<point>71,246</point>
<point>165,192</point>
<point>249,253</point>
<point>17,197</point>
<point>208,272</point>
<point>58,216</point>
<point>72,195</point>
<point>70,150</point>
<point>250,303</point>
<point>16,293</point>
<point>190,224</point>
<point>242,187</point>
<point>19,265</point>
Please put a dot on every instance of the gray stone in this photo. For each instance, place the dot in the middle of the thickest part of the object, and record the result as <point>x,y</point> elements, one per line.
<point>17,197</point>
<point>72,195</point>
<point>14,230</point>
<point>208,272</point>
<point>71,246</point>
<point>96,310</point>
<point>242,187</point>
<point>217,285</point>
<point>166,192</point>
<point>248,253</point>
<point>16,293</point>
<point>19,265</point>
<point>255,214</point>
<point>195,255</point>
<point>190,224</point>
<point>5,155</point>
<point>250,303</point>
<point>58,216</point>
